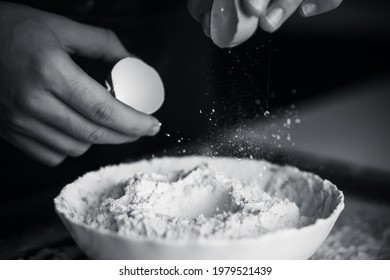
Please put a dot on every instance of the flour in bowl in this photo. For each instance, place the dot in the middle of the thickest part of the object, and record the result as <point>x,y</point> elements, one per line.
<point>193,205</point>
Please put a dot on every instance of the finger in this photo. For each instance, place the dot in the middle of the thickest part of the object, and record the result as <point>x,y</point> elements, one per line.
<point>199,8</point>
<point>255,7</point>
<point>206,24</point>
<point>89,41</point>
<point>201,11</point>
<point>35,149</point>
<point>315,7</point>
<point>49,136</point>
<point>49,109</point>
<point>92,100</point>
<point>277,13</point>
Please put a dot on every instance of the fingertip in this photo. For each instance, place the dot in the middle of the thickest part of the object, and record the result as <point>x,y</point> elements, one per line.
<point>192,8</point>
<point>121,52</point>
<point>155,128</point>
<point>198,8</point>
<point>266,26</point>
<point>113,49</point>
<point>206,24</point>
<point>314,7</point>
<point>255,7</point>
<point>309,9</point>
<point>53,162</point>
<point>148,125</point>
<point>125,52</point>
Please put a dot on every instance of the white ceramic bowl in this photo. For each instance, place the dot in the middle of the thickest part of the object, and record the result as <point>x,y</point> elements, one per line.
<point>315,198</point>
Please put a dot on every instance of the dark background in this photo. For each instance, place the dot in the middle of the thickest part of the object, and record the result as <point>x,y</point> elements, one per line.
<point>310,58</point>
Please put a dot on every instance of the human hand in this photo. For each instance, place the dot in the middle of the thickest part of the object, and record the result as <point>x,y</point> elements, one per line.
<point>271,13</point>
<point>49,107</point>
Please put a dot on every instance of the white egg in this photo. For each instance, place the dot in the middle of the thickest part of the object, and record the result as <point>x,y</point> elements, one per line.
<point>230,25</point>
<point>136,84</point>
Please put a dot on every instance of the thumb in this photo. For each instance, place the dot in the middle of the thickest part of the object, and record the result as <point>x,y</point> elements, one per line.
<point>89,41</point>
<point>199,8</point>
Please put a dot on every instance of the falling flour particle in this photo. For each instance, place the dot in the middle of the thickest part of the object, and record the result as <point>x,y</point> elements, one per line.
<point>193,205</point>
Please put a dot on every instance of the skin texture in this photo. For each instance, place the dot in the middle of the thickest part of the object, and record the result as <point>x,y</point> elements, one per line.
<point>272,13</point>
<point>49,107</point>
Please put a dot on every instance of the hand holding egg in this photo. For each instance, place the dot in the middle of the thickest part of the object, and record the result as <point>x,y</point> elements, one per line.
<point>231,22</point>
<point>49,107</point>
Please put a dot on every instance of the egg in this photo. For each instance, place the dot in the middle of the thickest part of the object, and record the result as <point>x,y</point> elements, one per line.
<point>230,25</point>
<point>136,84</point>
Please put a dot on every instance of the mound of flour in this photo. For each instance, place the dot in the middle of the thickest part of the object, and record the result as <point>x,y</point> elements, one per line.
<point>199,204</point>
